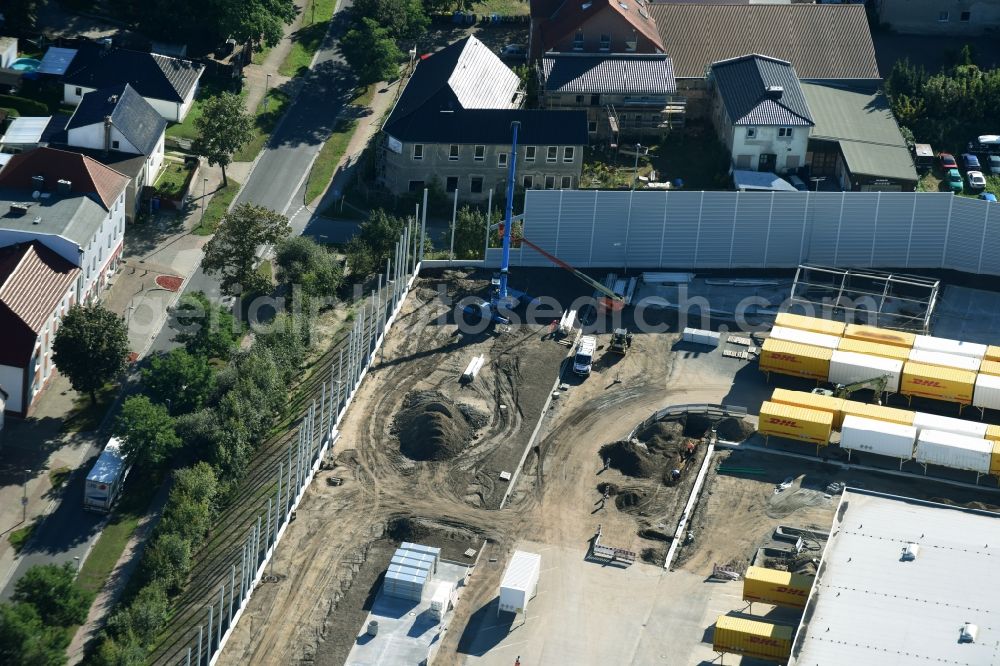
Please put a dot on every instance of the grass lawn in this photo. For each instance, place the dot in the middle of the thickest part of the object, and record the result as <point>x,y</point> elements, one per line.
<point>328,159</point>
<point>267,116</point>
<point>266,269</point>
<point>217,208</point>
<point>257,57</point>
<point>19,537</point>
<point>58,476</point>
<point>501,7</point>
<point>208,88</point>
<point>86,416</point>
<point>172,179</point>
<point>306,40</point>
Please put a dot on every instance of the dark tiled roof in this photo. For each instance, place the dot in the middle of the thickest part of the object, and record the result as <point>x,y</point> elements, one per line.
<point>33,280</point>
<point>152,75</point>
<point>88,177</point>
<point>758,90</point>
<point>572,14</point>
<point>129,112</point>
<point>635,74</point>
<point>492,127</point>
<point>828,41</point>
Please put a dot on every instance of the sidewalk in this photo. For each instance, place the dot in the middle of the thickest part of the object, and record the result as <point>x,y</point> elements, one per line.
<point>255,76</point>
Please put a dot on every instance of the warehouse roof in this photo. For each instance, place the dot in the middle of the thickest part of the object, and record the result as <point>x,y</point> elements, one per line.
<point>760,90</point>
<point>871,606</point>
<point>628,73</point>
<point>822,41</point>
<point>862,123</point>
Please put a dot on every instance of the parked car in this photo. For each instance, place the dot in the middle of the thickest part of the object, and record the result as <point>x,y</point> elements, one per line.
<point>514,51</point>
<point>954,180</point>
<point>970,161</point>
<point>988,196</point>
<point>977,180</point>
<point>993,164</point>
<point>947,161</point>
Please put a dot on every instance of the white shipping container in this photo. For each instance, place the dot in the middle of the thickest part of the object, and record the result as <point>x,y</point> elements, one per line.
<point>851,367</point>
<point>442,600</point>
<point>987,393</point>
<point>945,360</point>
<point>887,439</point>
<point>520,582</point>
<point>701,336</point>
<point>805,337</point>
<point>923,421</point>
<point>955,451</point>
<point>947,346</point>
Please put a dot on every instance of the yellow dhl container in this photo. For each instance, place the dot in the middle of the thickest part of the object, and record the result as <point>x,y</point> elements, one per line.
<point>792,358</point>
<point>877,412</point>
<point>823,403</point>
<point>874,349</point>
<point>993,433</point>
<point>992,353</point>
<point>995,459</point>
<point>880,335</point>
<point>990,368</point>
<point>814,324</point>
<point>799,423</point>
<point>737,635</point>
<point>939,383</point>
<point>780,588</point>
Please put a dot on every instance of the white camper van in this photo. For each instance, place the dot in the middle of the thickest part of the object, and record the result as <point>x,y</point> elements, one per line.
<point>106,478</point>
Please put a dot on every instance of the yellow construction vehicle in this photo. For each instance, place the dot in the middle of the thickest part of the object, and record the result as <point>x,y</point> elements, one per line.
<point>621,340</point>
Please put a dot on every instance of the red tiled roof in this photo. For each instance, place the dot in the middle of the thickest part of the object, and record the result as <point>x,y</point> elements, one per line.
<point>87,175</point>
<point>572,14</point>
<point>33,281</point>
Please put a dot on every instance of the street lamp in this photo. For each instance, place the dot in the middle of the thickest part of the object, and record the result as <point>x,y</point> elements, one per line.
<point>204,188</point>
<point>635,175</point>
<point>267,89</point>
<point>24,496</point>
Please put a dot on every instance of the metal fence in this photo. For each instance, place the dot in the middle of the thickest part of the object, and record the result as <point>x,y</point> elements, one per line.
<point>704,230</point>
<point>317,432</point>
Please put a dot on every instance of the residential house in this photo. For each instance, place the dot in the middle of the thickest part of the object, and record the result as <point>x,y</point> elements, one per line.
<point>760,113</point>
<point>168,84</point>
<point>826,43</point>
<point>592,26</point>
<point>116,126</point>
<point>73,205</point>
<point>628,94</point>
<point>932,17</point>
<point>37,287</point>
<point>855,142</point>
<point>452,125</point>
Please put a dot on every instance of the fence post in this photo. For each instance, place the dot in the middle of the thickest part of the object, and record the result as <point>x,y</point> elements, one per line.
<point>267,538</point>
<point>210,632</point>
<point>222,605</point>
<point>201,630</point>
<point>277,507</point>
<point>322,416</point>
<point>340,383</point>
<point>232,591</point>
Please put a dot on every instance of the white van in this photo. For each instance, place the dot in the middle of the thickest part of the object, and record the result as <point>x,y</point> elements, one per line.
<point>106,479</point>
<point>584,358</point>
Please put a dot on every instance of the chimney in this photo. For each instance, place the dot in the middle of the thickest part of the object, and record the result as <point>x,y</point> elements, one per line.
<point>113,99</point>
<point>64,186</point>
<point>38,183</point>
<point>107,133</point>
<point>775,92</point>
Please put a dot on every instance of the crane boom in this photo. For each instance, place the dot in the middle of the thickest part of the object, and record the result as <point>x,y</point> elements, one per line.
<point>583,276</point>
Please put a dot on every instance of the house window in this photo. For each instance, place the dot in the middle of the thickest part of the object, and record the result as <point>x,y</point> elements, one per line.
<point>418,151</point>
<point>638,119</point>
<point>528,182</point>
<point>592,126</point>
<point>416,186</point>
<point>480,154</point>
<point>578,41</point>
<point>114,144</point>
<point>965,16</point>
<point>743,161</point>
<point>529,153</point>
<point>579,99</point>
<point>451,184</point>
<point>476,184</point>
<point>567,182</point>
<point>595,100</point>
<point>79,91</point>
<point>569,152</point>
<point>501,160</point>
<point>942,17</point>
<point>785,132</point>
<point>453,152</point>
<point>751,132</point>
<point>550,182</point>
<point>605,42</point>
<point>552,154</point>
<point>630,45</point>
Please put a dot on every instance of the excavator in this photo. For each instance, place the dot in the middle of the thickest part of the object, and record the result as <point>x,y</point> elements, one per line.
<point>876,384</point>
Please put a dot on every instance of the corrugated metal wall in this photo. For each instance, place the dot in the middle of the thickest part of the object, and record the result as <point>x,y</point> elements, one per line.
<point>760,229</point>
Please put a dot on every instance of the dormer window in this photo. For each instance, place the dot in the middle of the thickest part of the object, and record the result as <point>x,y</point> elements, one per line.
<point>605,42</point>
<point>578,41</point>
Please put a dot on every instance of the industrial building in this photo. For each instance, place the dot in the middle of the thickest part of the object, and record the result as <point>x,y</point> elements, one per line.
<point>903,581</point>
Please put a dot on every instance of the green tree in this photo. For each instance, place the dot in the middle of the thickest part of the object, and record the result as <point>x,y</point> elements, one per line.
<point>402,19</point>
<point>90,347</point>
<point>232,252</point>
<point>199,431</point>
<point>374,243</point>
<point>50,589</point>
<point>256,20</point>
<point>287,338</point>
<point>26,641</point>
<point>371,52</point>
<point>304,262</point>
<point>223,128</point>
<point>203,328</point>
<point>167,562</point>
<point>470,233</point>
<point>182,380</point>
<point>190,507</point>
<point>144,617</point>
<point>147,433</point>
<point>124,650</point>
<point>20,16</point>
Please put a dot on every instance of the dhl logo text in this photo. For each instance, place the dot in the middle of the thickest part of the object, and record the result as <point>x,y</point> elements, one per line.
<point>927,382</point>
<point>791,358</point>
<point>791,591</point>
<point>788,423</point>
<point>763,641</point>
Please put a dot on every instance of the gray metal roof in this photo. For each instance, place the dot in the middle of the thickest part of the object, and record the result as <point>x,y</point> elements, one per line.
<point>620,73</point>
<point>759,90</point>
<point>868,607</point>
<point>76,217</point>
<point>26,129</point>
<point>130,113</point>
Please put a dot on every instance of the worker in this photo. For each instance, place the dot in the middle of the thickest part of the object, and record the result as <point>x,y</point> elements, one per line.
<point>517,662</point>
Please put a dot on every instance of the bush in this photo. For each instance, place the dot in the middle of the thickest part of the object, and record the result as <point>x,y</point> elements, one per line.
<point>24,106</point>
<point>167,562</point>
<point>123,651</point>
<point>143,619</point>
<point>179,378</point>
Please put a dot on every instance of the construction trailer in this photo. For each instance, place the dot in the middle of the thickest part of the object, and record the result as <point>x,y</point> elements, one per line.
<point>520,582</point>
